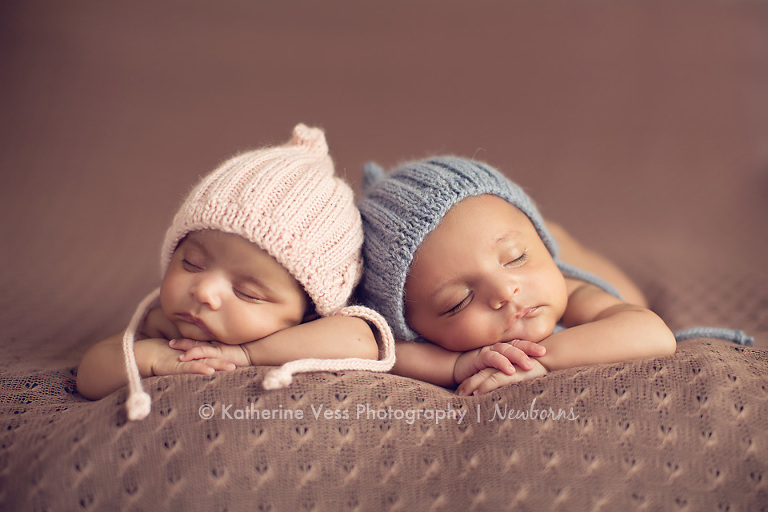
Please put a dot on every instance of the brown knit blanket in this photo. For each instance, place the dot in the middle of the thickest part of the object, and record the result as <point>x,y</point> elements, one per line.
<point>686,431</point>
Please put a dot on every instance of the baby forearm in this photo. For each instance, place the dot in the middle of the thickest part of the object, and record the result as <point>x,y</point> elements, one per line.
<point>334,337</point>
<point>102,369</point>
<point>426,362</point>
<point>623,333</point>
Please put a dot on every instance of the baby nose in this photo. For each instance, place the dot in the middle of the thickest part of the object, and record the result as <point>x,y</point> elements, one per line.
<point>208,290</point>
<point>504,291</point>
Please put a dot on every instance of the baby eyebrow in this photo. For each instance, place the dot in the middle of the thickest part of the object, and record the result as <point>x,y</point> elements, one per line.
<point>261,285</point>
<point>245,276</point>
<point>440,297</point>
<point>510,236</point>
<point>190,240</point>
<point>442,287</point>
<point>513,235</point>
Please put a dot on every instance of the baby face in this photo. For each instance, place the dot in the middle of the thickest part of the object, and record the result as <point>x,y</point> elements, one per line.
<point>483,276</point>
<point>221,287</point>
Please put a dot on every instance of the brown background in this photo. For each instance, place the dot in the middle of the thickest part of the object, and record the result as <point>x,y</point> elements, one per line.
<point>640,126</point>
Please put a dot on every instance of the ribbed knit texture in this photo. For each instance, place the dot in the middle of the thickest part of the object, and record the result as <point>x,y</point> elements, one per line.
<point>288,201</point>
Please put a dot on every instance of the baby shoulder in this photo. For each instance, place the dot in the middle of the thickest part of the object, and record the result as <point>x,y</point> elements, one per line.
<point>586,302</point>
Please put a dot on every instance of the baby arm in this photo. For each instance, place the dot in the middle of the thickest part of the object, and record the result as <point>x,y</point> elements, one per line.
<point>333,337</point>
<point>432,363</point>
<point>102,369</point>
<point>603,329</point>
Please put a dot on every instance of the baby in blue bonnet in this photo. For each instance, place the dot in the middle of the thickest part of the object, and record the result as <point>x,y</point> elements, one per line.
<point>458,256</point>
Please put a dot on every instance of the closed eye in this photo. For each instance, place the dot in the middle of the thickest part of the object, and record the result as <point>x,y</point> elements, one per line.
<point>190,267</point>
<point>248,296</point>
<point>460,306</point>
<point>517,262</point>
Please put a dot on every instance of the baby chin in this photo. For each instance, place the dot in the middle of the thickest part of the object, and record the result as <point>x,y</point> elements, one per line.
<point>534,330</point>
<point>194,332</point>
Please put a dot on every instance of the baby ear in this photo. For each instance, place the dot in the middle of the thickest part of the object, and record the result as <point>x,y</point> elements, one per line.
<point>372,173</point>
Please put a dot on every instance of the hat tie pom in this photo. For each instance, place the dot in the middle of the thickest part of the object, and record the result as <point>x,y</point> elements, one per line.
<point>278,378</point>
<point>138,405</point>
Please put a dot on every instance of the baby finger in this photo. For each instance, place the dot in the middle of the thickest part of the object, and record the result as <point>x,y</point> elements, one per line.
<point>494,359</point>
<point>514,354</point>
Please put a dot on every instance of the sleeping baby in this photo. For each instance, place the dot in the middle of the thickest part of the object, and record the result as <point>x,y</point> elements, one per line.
<point>458,256</point>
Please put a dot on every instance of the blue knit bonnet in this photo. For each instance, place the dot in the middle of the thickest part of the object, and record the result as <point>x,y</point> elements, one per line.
<point>401,208</point>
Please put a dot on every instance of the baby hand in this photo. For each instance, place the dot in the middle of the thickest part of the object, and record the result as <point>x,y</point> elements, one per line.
<point>501,356</point>
<point>489,379</point>
<point>155,354</point>
<point>232,356</point>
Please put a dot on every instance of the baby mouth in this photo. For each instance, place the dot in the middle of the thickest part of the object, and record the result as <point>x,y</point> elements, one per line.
<point>520,314</point>
<point>193,320</point>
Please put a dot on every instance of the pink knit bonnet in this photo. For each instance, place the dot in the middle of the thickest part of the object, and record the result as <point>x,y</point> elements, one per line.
<point>288,201</point>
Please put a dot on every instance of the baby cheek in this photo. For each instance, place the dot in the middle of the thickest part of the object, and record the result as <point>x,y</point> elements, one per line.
<point>468,336</point>
<point>249,325</point>
<point>167,294</point>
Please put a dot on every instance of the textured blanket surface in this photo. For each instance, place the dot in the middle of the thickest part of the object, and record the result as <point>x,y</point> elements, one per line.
<point>641,127</point>
<point>687,431</point>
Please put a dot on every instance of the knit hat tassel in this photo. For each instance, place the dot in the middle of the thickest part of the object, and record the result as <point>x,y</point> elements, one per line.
<point>736,336</point>
<point>139,401</point>
<point>282,377</point>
